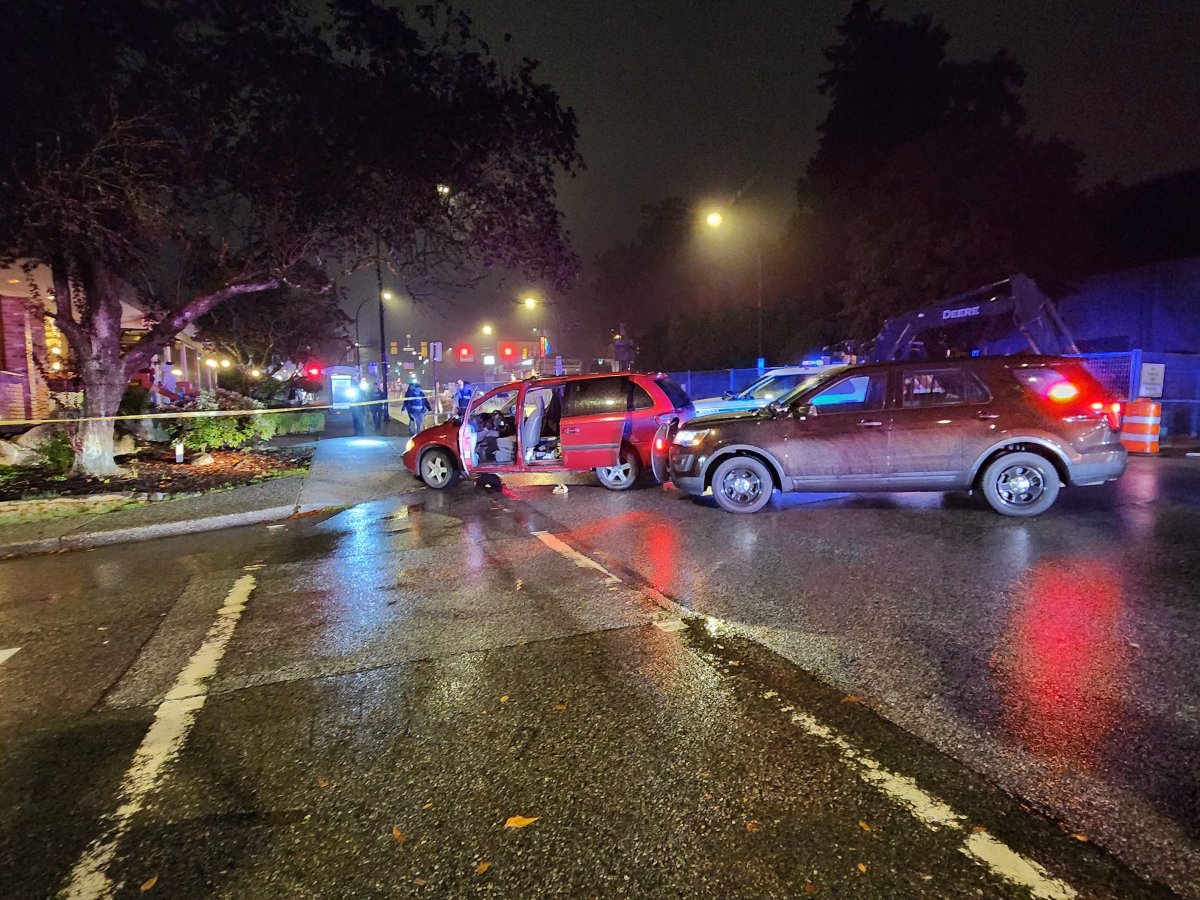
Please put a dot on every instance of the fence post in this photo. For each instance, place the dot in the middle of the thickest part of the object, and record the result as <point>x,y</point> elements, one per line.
<point>731,381</point>
<point>1135,374</point>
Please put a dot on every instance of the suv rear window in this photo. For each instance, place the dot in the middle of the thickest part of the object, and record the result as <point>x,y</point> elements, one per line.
<point>941,387</point>
<point>677,395</point>
<point>1043,379</point>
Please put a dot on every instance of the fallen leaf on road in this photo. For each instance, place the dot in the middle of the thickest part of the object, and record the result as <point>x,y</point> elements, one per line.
<point>420,881</point>
<point>520,584</point>
<point>560,706</point>
<point>519,821</point>
<point>863,825</point>
<point>322,783</point>
<point>735,662</point>
<point>427,806</point>
<point>397,835</point>
<point>752,825</point>
<point>1080,837</point>
<point>809,887</point>
<point>862,867</point>
<point>151,882</point>
<point>852,698</point>
<point>504,699</point>
<point>978,829</point>
<point>482,867</point>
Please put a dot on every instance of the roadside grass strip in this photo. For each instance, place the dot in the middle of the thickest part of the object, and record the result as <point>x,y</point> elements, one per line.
<point>173,721</point>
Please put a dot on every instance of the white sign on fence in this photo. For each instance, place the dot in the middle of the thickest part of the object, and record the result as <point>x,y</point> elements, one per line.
<point>1151,384</point>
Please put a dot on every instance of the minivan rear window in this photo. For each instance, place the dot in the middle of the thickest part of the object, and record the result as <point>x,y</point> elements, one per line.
<point>677,395</point>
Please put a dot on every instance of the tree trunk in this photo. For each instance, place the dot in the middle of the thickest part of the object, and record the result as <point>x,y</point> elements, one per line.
<point>104,379</point>
<point>101,397</point>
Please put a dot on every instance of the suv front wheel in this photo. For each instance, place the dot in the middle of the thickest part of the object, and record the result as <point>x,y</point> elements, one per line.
<point>742,484</point>
<point>1020,484</point>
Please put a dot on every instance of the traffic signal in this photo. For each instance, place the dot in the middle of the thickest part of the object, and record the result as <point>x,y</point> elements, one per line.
<point>508,352</point>
<point>466,353</point>
<point>313,370</point>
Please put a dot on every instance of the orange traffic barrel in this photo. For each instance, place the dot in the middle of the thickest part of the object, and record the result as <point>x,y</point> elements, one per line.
<point>1141,425</point>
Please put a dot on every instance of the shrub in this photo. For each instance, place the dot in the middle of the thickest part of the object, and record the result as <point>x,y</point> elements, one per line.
<point>56,453</point>
<point>218,432</point>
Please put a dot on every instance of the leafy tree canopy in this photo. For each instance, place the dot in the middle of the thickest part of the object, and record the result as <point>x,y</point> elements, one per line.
<point>186,154</point>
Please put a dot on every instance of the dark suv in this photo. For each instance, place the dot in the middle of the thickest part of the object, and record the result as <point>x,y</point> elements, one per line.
<point>1015,428</point>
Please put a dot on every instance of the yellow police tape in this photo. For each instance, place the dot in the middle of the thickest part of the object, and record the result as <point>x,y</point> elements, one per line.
<point>195,414</point>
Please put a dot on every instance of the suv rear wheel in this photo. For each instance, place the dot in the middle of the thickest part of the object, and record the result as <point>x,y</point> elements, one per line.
<point>439,469</point>
<point>1021,484</point>
<point>742,484</point>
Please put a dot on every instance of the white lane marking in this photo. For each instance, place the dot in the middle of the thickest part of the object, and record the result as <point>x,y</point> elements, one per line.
<point>575,556</point>
<point>933,813</point>
<point>173,721</point>
<point>6,655</point>
<point>1002,860</point>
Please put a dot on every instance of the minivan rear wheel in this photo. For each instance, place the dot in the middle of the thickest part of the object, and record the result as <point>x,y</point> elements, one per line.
<point>742,484</point>
<point>1021,484</point>
<point>624,474</point>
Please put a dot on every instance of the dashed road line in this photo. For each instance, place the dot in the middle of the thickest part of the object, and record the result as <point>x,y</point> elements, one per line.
<point>935,814</point>
<point>6,655</point>
<point>173,721</point>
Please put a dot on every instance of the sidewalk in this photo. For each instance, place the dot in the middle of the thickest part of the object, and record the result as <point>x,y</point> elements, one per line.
<point>345,470</point>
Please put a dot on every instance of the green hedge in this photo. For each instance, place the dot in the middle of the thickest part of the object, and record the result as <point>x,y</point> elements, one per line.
<point>230,432</point>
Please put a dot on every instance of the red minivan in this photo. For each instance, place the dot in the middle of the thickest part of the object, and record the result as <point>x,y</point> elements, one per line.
<point>568,424</point>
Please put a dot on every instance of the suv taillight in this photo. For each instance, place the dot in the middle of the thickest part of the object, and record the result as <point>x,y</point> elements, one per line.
<point>1111,413</point>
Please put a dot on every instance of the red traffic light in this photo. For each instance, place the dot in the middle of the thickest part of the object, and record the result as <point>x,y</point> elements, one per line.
<point>508,351</point>
<point>464,351</point>
<point>314,371</point>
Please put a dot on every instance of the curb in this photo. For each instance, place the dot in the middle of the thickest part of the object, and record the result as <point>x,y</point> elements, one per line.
<point>147,532</point>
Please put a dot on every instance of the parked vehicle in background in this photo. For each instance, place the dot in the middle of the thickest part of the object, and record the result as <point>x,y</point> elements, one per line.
<point>1015,428</point>
<point>602,422</point>
<point>773,385</point>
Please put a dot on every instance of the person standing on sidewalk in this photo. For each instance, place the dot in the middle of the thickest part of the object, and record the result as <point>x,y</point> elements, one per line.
<point>416,406</point>
<point>379,409</point>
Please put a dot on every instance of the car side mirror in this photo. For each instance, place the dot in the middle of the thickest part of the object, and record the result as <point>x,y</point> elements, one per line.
<point>803,410</point>
<point>728,395</point>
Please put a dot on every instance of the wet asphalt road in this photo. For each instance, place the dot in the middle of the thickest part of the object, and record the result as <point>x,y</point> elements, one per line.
<point>399,681</point>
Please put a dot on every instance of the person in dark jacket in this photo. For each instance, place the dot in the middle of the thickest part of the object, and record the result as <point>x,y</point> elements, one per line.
<point>464,399</point>
<point>379,409</point>
<point>416,406</point>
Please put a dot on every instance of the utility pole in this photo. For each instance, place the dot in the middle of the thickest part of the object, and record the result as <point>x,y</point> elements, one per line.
<point>383,347</point>
<point>760,360</point>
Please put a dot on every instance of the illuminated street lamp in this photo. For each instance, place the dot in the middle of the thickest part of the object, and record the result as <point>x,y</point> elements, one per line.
<point>211,363</point>
<point>488,329</point>
<point>714,220</point>
<point>225,364</point>
<point>530,302</point>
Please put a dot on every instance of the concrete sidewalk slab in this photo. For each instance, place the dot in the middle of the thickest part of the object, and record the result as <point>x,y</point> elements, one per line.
<point>346,471</point>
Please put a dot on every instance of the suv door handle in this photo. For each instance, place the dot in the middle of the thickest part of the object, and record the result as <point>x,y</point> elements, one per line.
<point>869,424</point>
<point>983,417</point>
<point>572,429</point>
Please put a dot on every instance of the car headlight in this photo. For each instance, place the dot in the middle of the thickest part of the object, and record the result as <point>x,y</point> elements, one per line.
<point>411,443</point>
<point>687,438</point>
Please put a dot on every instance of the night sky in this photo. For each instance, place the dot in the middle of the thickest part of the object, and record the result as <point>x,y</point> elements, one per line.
<point>701,99</point>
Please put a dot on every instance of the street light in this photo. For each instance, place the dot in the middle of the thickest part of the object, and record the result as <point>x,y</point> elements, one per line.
<point>487,329</point>
<point>714,220</point>
<point>530,302</point>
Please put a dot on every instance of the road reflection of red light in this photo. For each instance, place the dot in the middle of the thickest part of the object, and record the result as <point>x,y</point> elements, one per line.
<point>656,541</point>
<point>1063,665</point>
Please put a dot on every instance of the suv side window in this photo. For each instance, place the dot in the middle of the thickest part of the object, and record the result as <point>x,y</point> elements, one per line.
<point>594,396</point>
<point>941,387</point>
<point>855,393</point>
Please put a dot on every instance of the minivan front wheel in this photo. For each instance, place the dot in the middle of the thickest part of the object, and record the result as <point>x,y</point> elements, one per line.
<point>439,469</point>
<point>1021,484</point>
<point>742,484</point>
